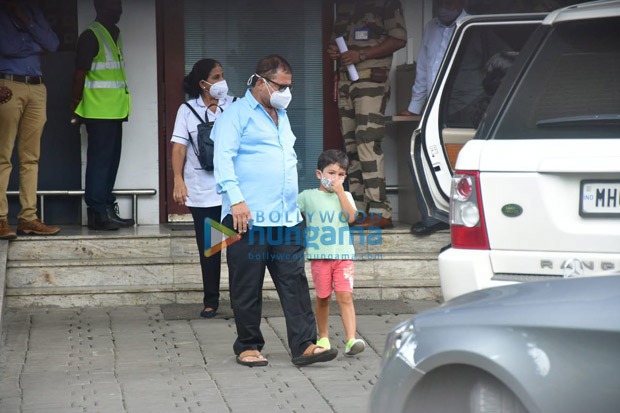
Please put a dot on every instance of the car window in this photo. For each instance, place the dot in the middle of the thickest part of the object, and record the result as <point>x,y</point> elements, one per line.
<point>572,88</point>
<point>465,97</point>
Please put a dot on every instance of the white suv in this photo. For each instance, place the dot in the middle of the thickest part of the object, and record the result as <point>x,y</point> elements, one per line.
<point>535,191</point>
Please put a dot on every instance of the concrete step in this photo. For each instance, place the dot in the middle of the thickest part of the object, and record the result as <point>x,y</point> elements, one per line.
<point>82,244</point>
<point>158,266</point>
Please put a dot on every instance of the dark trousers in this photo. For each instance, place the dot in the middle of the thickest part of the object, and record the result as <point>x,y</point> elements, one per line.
<point>102,159</point>
<point>426,219</point>
<point>210,266</point>
<point>280,250</point>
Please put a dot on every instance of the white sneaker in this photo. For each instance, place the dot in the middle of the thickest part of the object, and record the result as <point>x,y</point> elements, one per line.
<point>354,346</point>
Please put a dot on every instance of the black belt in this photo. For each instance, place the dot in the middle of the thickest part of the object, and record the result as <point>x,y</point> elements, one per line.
<point>31,80</point>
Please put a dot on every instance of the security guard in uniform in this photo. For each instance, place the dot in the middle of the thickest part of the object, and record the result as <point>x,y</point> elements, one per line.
<point>101,100</point>
<point>373,30</point>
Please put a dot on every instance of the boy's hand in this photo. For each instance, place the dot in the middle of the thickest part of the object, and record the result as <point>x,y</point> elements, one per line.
<point>337,186</point>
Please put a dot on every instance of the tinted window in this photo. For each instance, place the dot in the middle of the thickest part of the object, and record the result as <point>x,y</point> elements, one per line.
<point>471,83</point>
<point>572,89</point>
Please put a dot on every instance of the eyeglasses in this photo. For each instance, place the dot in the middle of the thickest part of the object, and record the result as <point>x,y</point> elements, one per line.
<point>280,87</point>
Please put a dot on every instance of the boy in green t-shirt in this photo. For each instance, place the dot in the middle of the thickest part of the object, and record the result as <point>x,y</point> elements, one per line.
<point>328,211</point>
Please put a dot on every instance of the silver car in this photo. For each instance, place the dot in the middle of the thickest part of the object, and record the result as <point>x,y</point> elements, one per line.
<point>548,346</point>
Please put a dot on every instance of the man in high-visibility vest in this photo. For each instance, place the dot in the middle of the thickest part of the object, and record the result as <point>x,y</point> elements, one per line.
<point>102,102</point>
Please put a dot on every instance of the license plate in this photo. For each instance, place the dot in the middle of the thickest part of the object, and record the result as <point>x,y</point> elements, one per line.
<point>600,199</point>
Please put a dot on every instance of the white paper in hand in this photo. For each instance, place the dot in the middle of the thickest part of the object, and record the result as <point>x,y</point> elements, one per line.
<point>342,46</point>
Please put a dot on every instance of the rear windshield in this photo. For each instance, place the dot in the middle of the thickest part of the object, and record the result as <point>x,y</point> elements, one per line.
<point>572,88</point>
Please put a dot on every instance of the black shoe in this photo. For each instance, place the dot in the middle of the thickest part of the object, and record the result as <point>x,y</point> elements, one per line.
<point>208,312</point>
<point>420,229</point>
<point>113,216</point>
<point>306,359</point>
<point>100,222</point>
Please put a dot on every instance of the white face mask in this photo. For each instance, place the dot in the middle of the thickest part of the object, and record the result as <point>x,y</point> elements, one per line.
<point>279,99</point>
<point>328,182</point>
<point>218,90</point>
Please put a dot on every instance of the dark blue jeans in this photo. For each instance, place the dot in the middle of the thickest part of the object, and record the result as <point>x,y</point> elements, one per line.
<point>102,159</point>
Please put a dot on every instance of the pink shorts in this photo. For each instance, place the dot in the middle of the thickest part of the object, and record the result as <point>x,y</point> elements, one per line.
<point>332,275</point>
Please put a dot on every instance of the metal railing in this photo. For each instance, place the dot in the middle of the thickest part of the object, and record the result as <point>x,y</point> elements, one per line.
<point>134,193</point>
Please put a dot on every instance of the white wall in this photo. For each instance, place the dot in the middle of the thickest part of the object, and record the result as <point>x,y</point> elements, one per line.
<point>416,13</point>
<point>139,168</point>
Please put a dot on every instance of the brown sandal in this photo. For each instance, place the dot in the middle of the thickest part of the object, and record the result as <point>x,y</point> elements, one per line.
<point>259,361</point>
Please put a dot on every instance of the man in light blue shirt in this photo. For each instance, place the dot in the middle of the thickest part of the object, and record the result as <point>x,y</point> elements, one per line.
<point>257,164</point>
<point>437,34</point>
<point>256,172</point>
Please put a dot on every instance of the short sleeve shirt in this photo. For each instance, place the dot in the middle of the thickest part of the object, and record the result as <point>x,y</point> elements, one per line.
<point>200,183</point>
<point>367,23</point>
<point>327,227</point>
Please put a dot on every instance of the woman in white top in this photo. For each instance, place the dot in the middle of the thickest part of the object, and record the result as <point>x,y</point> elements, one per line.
<point>194,186</point>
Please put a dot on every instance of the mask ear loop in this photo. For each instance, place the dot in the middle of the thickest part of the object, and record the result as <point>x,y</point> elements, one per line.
<point>252,80</point>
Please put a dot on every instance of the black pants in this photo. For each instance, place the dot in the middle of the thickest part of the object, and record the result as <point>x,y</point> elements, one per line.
<point>280,250</point>
<point>210,266</point>
<point>103,157</point>
<point>426,219</point>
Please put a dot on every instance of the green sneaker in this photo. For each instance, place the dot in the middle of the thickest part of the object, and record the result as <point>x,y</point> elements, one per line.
<point>324,342</point>
<point>354,346</point>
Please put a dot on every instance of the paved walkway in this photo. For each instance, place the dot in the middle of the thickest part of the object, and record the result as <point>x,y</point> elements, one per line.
<point>163,359</point>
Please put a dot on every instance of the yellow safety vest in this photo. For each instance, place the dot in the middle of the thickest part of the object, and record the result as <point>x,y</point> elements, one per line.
<point>105,94</point>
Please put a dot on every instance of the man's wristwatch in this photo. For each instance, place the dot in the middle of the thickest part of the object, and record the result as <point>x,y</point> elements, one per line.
<point>362,56</point>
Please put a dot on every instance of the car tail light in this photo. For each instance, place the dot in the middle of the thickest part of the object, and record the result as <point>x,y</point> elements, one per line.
<point>467,224</point>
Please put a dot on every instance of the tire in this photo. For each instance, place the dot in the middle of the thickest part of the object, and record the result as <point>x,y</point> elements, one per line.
<point>489,395</point>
